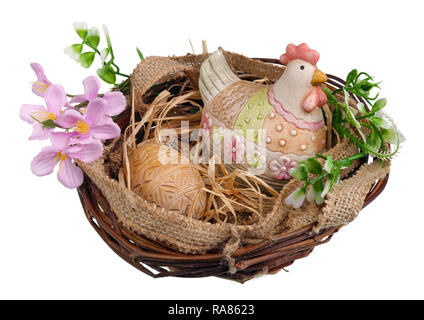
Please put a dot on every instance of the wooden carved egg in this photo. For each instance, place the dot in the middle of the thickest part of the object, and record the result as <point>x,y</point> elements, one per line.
<point>174,185</point>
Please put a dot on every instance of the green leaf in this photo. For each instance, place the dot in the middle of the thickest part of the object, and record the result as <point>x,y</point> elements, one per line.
<point>93,37</point>
<point>300,172</point>
<point>379,104</point>
<point>74,51</point>
<point>140,54</point>
<point>337,117</point>
<point>86,59</point>
<point>77,48</point>
<point>381,123</point>
<point>104,54</point>
<point>365,85</point>
<point>349,114</point>
<point>313,165</point>
<point>373,141</point>
<point>296,198</point>
<point>333,178</point>
<point>390,136</point>
<point>329,165</point>
<point>351,77</point>
<point>330,97</point>
<point>327,187</point>
<point>107,74</point>
<point>318,199</point>
<point>318,186</point>
<point>361,108</point>
<point>347,164</point>
<point>81,29</point>
<point>48,124</point>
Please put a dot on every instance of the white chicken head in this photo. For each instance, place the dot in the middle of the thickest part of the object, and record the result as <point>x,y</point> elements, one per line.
<point>303,77</point>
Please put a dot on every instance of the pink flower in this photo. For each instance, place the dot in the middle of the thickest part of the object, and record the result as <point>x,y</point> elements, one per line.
<point>55,98</point>
<point>93,123</point>
<point>206,124</point>
<point>280,167</point>
<point>40,86</point>
<point>115,100</point>
<point>62,153</point>
<point>234,148</point>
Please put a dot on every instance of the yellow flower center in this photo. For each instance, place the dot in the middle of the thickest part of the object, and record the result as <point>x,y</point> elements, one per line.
<point>60,157</point>
<point>40,87</point>
<point>82,127</point>
<point>42,116</point>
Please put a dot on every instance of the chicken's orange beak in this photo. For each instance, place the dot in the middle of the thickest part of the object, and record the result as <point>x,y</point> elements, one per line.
<point>318,78</point>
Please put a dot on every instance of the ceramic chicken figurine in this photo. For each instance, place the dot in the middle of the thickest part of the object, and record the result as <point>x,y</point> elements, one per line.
<point>289,111</point>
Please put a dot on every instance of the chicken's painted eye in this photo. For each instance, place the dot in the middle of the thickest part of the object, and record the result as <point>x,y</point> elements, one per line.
<point>302,67</point>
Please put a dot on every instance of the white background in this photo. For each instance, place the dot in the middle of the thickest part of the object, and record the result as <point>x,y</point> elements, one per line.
<point>49,250</point>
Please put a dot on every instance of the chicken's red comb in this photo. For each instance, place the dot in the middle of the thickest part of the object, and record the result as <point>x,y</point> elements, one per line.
<point>302,52</point>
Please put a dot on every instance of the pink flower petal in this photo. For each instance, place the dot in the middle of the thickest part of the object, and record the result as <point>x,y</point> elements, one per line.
<point>105,131</point>
<point>68,118</point>
<point>39,133</point>
<point>44,163</point>
<point>39,88</point>
<point>55,98</point>
<point>96,111</point>
<point>28,109</point>
<point>60,140</point>
<point>78,99</point>
<point>88,152</point>
<point>39,72</point>
<point>274,165</point>
<point>115,103</point>
<point>91,87</point>
<point>70,175</point>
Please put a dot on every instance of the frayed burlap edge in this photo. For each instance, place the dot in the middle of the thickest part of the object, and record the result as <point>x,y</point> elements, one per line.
<point>346,199</point>
<point>151,71</point>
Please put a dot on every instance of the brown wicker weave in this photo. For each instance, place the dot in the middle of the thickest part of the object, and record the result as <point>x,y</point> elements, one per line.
<point>267,256</point>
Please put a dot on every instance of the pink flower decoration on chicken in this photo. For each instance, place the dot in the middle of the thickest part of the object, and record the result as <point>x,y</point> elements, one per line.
<point>62,153</point>
<point>206,124</point>
<point>280,167</point>
<point>55,98</point>
<point>234,149</point>
<point>114,101</point>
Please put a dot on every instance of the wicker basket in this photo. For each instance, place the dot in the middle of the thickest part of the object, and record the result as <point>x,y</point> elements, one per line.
<point>157,258</point>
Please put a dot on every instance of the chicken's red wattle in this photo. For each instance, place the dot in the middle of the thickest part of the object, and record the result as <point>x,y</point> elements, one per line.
<point>315,98</point>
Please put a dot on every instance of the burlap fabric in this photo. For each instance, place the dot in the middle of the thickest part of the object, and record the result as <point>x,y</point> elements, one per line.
<point>192,236</point>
